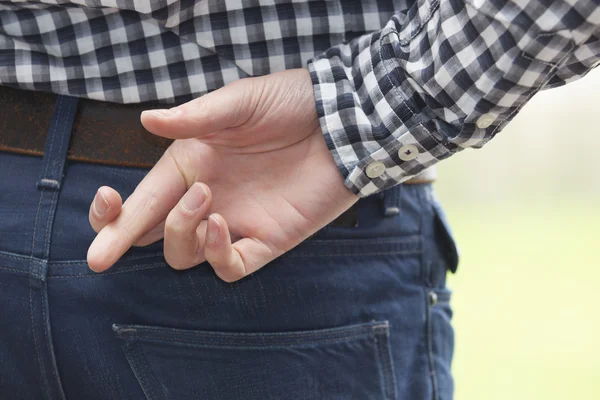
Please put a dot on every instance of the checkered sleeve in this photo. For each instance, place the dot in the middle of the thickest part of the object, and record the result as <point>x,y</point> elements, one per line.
<point>444,76</point>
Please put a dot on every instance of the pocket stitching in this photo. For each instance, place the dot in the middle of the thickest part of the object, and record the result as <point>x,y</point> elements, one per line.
<point>378,332</point>
<point>139,367</point>
<point>384,361</point>
<point>308,337</point>
<point>177,342</point>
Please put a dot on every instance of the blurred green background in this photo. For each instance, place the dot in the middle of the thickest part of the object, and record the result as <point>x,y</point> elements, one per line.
<point>525,214</point>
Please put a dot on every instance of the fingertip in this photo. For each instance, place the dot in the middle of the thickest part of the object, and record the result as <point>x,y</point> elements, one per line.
<point>160,122</point>
<point>111,195</point>
<point>98,259</point>
<point>197,197</point>
<point>107,202</point>
<point>214,229</point>
<point>100,205</point>
<point>205,188</point>
<point>95,261</point>
<point>198,117</point>
<point>105,207</point>
<point>151,119</point>
<point>224,259</point>
<point>160,113</point>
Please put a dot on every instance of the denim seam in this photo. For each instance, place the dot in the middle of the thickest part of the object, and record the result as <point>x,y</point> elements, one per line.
<point>158,264</point>
<point>49,223</point>
<point>144,364</point>
<point>364,328</point>
<point>385,358</point>
<point>425,263</point>
<point>386,371</point>
<point>17,271</point>
<point>377,240</point>
<point>143,373</point>
<point>47,334</point>
<point>133,331</point>
<point>35,223</point>
<point>380,371</point>
<point>21,257</point>
<point>376,253</point>
<point>122,259</point>
<point>430,355</point>
<point>43,382</point>
<point>224,337</point>
<point>137,363</point>
<point>99,275</point>
<point>53,165</point>
<point>193,344</point>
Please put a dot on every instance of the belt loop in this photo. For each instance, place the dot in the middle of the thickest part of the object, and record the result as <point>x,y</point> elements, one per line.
<point>57,143</point>
<point>391,201</point>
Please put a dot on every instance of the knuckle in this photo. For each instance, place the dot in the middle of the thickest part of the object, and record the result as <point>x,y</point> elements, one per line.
<point>179,267</point>
<point>174,227</point>
<point>176,262</point>
<point>152,202</point>
<point>230,273</point>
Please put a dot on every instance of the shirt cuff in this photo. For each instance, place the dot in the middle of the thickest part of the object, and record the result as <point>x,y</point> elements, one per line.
<point>373,131</point>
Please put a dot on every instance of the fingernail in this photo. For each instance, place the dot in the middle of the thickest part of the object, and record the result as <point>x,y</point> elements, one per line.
<point>212,234</point>
<point>194,198</point>
<point>161,112</point>
<point>101,204</point>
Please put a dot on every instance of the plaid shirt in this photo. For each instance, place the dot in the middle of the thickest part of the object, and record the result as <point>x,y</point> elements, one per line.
<point>399,85</point>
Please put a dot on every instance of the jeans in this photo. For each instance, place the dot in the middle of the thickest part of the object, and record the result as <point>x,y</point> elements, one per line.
<point>351,313</point>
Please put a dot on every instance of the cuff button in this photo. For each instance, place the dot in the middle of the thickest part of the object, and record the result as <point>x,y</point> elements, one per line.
<point>486,120</point>
<point>408,152</point>
<point>375,169</point>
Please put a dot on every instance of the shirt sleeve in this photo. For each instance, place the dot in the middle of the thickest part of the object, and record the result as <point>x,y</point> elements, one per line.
<point>444,76</point>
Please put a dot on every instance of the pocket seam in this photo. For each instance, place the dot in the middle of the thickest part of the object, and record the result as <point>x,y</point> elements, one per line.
<point>401,245</point>
<point>376,331</point>
<point>266,339</point>
<point>175,342</point>
<point>384,361</point>
<point>139,367</point>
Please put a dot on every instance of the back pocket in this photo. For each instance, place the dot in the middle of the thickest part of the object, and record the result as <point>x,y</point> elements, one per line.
<point>351,362</point>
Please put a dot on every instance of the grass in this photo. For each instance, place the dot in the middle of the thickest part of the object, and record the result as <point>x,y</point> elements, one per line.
<point>526,301</point>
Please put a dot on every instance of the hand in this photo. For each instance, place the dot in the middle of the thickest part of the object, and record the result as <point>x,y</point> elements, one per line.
<point>248,178</point>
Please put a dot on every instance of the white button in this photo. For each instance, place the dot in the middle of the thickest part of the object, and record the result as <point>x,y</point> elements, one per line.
<point>375,169</point>
<point>486,120</point>
<point>408,152</point>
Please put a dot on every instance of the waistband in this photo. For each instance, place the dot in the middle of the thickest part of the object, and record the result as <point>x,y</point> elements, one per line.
<point>101,132</point>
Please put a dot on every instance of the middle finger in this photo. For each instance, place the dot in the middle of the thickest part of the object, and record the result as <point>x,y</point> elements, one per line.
<point>184,240</point>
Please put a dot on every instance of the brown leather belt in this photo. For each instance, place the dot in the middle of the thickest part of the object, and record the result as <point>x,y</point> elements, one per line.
<point>103,133</point>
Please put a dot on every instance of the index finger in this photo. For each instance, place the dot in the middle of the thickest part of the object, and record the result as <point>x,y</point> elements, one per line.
<point>149,204</point>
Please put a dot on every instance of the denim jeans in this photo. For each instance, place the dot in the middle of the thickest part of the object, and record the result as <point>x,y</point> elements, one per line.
<point>352,313</point>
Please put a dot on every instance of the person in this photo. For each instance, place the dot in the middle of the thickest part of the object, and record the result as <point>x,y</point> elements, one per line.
<point>305,133</point>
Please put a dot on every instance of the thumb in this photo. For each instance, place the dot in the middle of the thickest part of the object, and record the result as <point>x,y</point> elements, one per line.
<point>227,107</point>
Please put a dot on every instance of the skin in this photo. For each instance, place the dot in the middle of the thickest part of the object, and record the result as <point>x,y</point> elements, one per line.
<point>248,178</point>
